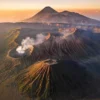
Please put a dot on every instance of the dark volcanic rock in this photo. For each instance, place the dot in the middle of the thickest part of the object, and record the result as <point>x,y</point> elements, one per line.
<point>61,79</point>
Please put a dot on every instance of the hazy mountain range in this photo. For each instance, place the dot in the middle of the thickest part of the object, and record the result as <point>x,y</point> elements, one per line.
<point>49,15</point>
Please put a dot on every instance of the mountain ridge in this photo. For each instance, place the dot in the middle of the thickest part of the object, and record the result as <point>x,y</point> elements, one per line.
<point>49,15</point>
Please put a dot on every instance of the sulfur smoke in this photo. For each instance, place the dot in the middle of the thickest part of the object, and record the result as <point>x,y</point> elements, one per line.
<point>28,43</point>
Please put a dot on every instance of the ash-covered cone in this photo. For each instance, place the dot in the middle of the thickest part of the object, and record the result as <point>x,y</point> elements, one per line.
<point>57,80</point>
<point>35,80</point>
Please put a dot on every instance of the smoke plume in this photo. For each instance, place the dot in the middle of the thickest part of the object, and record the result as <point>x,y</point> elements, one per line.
<point>29,42</point>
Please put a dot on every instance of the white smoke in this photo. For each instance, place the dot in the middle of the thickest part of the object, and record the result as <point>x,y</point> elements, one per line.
<point>66,32</point>
<point>29,42</point>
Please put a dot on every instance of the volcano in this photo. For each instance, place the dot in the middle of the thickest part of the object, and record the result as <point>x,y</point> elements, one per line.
<point>62,67</point>
<point>49,15</point>
<point>55,79</point>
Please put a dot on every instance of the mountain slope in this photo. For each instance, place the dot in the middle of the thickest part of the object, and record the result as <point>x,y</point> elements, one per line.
<point>57,68</point>
<point>55,79</point>
<point>49,15</point>
<point>43,14</point>
<point>9,68</point>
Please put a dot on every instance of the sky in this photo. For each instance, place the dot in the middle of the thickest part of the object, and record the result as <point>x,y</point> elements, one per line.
<point>14,10</point>
<point>36,4</point>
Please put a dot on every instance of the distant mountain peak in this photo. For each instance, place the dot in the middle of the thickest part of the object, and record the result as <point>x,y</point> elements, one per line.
<point>50,15</point>
<point>65,11</point>
<point>48,9</point>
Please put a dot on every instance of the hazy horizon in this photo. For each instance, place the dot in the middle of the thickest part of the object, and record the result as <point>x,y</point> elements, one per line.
<point>18,15</point>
